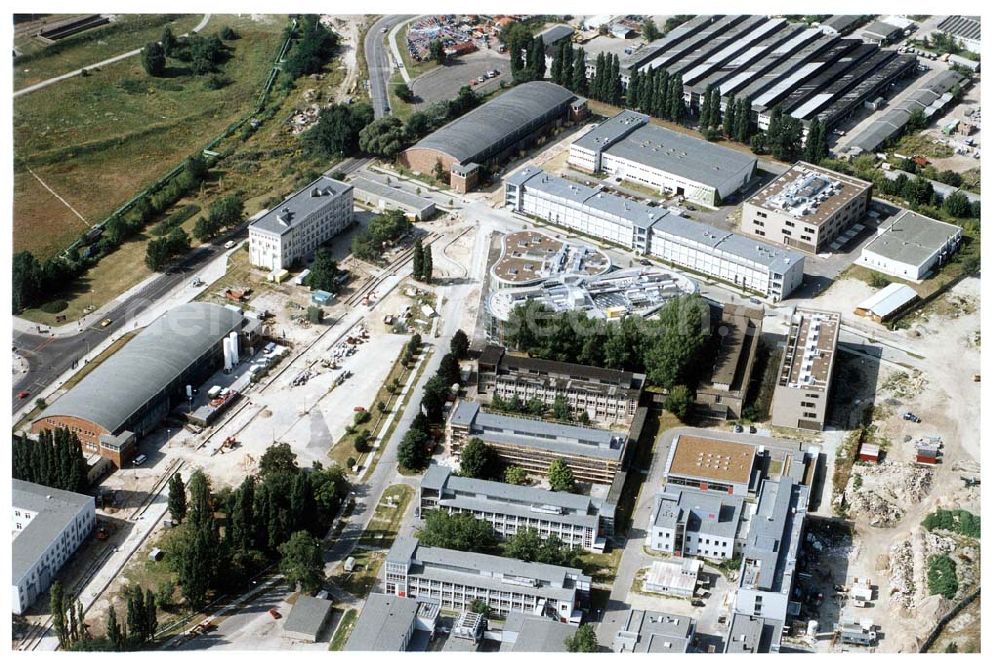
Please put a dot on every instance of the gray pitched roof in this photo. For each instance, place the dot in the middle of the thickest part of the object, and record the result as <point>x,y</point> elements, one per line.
<point>308,615</point>
<point>146,365</point>
<point>440,477</point>
<point>393,195</point>
<point>739,246</point>
<point>383,625</point>
<point>476,134</point>
<point>561,438</point>
<point>294,209</point>
<point>53,510</point>
<point>556,33</point>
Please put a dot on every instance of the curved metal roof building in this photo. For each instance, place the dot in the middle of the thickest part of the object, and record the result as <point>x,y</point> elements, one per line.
<point>142,374</point>
<point>492,126</point>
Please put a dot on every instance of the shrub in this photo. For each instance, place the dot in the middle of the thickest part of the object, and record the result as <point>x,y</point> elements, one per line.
<point>941,576</point>
<point>54,307</point>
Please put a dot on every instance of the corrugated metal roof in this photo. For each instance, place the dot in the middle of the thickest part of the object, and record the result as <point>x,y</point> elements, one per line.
<point>494,124</point>
<point>888,300</point>
<point>146,365</point>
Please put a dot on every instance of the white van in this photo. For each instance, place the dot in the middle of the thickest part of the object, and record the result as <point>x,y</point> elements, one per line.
<point>140,460</point>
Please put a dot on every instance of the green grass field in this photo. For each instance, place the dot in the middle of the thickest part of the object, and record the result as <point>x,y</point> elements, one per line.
<point>129,31</point>
<point>97,140</point>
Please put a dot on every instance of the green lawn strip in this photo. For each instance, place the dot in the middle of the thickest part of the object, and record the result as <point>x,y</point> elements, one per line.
<point>384,524</point>
<point>344,629</point>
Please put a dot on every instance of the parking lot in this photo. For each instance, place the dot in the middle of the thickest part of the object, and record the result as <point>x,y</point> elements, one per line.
<point>444,82</point>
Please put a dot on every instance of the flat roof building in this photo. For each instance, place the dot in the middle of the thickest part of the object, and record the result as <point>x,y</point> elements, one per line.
<point>390,623</point>
<point>648,631</point>
<point>723,390</point>
<point>579,521</point>
<point>530,257</point>
<point>469,146</point>
<point>127,395</point>
<point>607,396</point>
<point>594,455</point>
<point>384,197</point>
<point>910,246</point>
<point>712,464</point>
<point>803,389</point>
<point>751,634</point>
<point>673,578</point>
<point>966,30</point>
<point>629,147</point>
<point>49,525</point>
<point>687,522</point>
<point>530,633</point>
<point>295,228</point>
<point>739,260</point>
<point>308,618</point>
<point>454,579</point>
<point>809,208</point>
<point>887,302</point>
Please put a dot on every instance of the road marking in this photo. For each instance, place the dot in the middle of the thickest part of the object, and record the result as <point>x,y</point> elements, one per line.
<point>44,344</point>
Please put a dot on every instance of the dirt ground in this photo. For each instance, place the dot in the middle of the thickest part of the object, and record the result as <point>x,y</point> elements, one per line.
<point>926,369</point>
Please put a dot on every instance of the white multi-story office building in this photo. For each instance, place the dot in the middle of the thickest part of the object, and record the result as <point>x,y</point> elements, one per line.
<point>691,523</point>
<point>746,263</point>
<point>293,230</point>
<point>579,521</point>
<point>455,579</point>
<point>627,146</point>
<point>49,525</point>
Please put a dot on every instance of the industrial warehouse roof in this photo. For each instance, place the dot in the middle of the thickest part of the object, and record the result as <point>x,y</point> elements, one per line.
<point>556,33</point>
<point>146,365</point>
<point>912,238</point>
<point>968,27</point>
<point>384,624</point>
<point>504,118</point>
<point>629,136</point>
<point>294,209</point>
<point>53,510</point>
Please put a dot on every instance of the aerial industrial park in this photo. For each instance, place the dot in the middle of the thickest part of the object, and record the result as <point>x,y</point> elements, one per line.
<point>496,333</point>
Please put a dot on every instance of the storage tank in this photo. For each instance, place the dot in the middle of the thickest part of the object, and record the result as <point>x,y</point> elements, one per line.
<point>227,353</point>
<point>235,347</point>
<point>812,628</point>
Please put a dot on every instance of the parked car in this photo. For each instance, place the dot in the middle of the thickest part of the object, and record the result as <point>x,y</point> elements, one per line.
<point>752,429</point>
<point>22,394</point>
<point>230,244</point>
<point>910,417</point>
<point>737,428</point>
<point>105,323</point>
<point>645,262</point>
<point>140,460</point>
<point>274,613</point>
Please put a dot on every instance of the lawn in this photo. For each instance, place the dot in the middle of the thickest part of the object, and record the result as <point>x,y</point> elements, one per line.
<point>125,33</point>
<point>344,630</point>
<point>381,530</point>
<point>400,108</point>
<point>100,139</point>
<point>922,145</point>
<point>362,579</point>
<point>601,567</point>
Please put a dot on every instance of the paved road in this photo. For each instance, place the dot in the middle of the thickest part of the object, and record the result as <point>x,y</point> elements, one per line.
<point>49,356</point>
<point>379,65</point>
<point>108,61</point>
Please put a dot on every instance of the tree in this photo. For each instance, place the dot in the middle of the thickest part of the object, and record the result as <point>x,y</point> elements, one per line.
<point>302,561</point>
<point>679,400</point>
<point>278,458</point>
<point>536,61</point>
<point>383,137</point>
<point>460,344</point>
<point>523,545</point>
<point>337,129</point>
<point>410,453</point>
<point>584,639</point>
<point>154,60</point>
<point>561,409</point>
<point>403,92</point>
<point>758,143</point>
<point>449,370</point>
<point>168,41</point>
<point>957,204</point>
<point>114,631</point>
<point>323,273</point>
<point>515,475</point>
<point>556,70</point>
<point>315,46</point>
<point>418,259</point>
<point>729,120</point>
<point>434,398</point>
<point>439,173</point>
<point>413,345</point>
<point>26,282</point>
<point>462,532</point>
<point>579,83</point>
<point>650,32</point>
<point>478,460</point>
<point>428,264</point>
<point>176,498</point>
<point>57,608</point>
<point>561,477</point>
<point>480,607</point>
<point>437,52</point>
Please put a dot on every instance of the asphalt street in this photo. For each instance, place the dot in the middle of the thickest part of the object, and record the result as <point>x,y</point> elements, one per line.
<point>379,65</point>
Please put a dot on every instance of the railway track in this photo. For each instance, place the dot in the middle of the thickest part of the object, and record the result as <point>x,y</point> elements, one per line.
<point>372,283</point>
<point>158,487</point>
